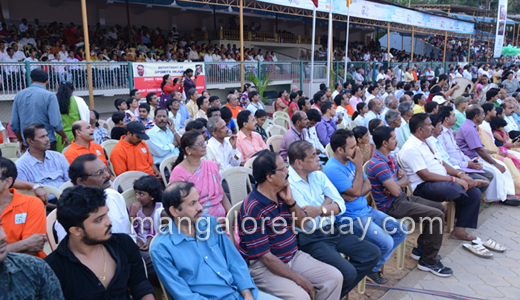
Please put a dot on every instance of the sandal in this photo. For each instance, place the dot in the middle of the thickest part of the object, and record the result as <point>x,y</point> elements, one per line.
<point>478,250</point>
<point>491,245</point>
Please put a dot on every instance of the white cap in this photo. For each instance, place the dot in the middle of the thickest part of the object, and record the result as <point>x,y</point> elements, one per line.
<point>439,99</point>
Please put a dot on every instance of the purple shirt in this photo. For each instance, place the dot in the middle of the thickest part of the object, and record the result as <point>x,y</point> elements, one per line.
<point>292,135</point>
<point>468,138</point>
<point>325,129</point>
<point>188,84</point>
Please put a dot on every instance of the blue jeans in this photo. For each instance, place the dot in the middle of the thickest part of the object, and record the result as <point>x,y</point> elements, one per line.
<point>383,237</point>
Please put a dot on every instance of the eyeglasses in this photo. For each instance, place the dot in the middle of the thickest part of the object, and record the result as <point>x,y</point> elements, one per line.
<point>98,173</point>
<point>199,145</point>
<point>276,170</point>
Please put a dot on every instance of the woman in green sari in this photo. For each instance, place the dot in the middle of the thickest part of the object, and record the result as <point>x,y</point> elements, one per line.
<point>72,109</point>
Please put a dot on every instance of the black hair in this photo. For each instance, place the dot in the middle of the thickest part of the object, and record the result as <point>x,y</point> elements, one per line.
<point>409,93</point>
<point>210,111</point>
<point>77,203</point>
<point>64,93</point>
<point>487,107</point>
<point>417,121</point>
<point>417,97</point>
<point>29,132</point>
<point>472,112</point>
<point>323,86</point>
<point>169,102</point>
<point>132,92</point>
<point>129,102</point>
<point>381,134</point>
<point>8,169</point>
<point>337,99</point>
<point>497,122</point>
<point>159,109</point>
<point>313,115</point>
<point>359,132</point>
<point>443,77</point>
<point>118,103</point>
<point>436,119</point>
<point>339,138</point>
<point>264,165</point>
<point>430,106</point>
<point>280,93</point>
<point>260,113</point>
<point>188,140</point>
<point>149,97</point>
<point>194,125</point>
<point>407,87</point>
<point>163,83</point>
<point>77,167</point>
<point>151,185</point>
<point>491,93</point>
<point>75,126</point>
<point>214,98</point>
<point>436,89</point>
<point>372,88</point>
<point>200,101</point>
<point>325,106</point>
<point>145,106</point>
<point>301,102</point>
<point>317,96</point>
<point>356,88</point>
<point>359,108</point>
<point>96,114</point>
<point>118,117</point>
<point>251,94</point>
<point>242,117</point>
<point>225,113</point>
<point>499,110</point>
<point>445,112</point>
<point>373,124</point>
<point>173,194</point>
<point>298,149</point>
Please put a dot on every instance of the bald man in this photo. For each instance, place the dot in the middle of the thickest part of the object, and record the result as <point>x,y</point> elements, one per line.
<point>82,144</point>
<point>295,133</point>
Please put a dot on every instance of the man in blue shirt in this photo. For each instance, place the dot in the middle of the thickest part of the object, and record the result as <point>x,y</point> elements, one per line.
<point>387,180</point>
<point>194,258</point>
<point>320,200</point>
<point>345,171</point>
<point>37,105</point>
<point>164,137</point>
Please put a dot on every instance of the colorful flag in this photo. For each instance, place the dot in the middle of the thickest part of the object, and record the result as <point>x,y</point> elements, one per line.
<point>315,3</point>
<point>349,2</point>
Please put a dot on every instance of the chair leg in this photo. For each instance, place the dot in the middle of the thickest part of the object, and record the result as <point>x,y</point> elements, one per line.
<point>400,255</point>
<point>450,216</point>
<point>361,285</point>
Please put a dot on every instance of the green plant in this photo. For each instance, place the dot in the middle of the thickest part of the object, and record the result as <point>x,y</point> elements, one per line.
<point>260,85</point>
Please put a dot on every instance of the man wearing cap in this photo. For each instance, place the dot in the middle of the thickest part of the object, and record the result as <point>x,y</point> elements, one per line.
<point>461,104</point>
<point>440,100</point>
<point>37,105</point>
<point>132,154</point>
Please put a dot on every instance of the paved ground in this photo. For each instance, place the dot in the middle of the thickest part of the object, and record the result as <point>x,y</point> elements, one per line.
<point>497,278</point>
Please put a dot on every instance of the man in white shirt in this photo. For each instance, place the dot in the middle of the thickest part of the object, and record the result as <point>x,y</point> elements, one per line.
<point>341,101</point>
<point>63,52</point>
<point>256,103</point>
<point>24,26</point>
<point>28,40</point>
<point>481,71</point>
<point>375,108</point>
<point>509,109</point>
<point>310,134</point>
<point>208,57</point>
<point>18,55</point>
<point>149,57</point>
<point>430,74</point>
<point>338,87</point>
<point>222,147</point>
<point>433,179</point>
<point>358,76</point>
<point>466,74</point>
<point>10,58</point>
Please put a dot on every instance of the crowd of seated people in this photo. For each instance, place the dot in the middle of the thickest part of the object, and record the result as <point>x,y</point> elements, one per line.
<point>348,156</point>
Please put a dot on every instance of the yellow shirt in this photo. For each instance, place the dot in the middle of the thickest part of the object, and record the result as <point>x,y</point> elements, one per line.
<point>417,109</point>
<point>193,108</point>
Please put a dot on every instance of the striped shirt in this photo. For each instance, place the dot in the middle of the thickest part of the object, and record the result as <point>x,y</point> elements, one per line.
<point>380,168</point>
<point>261,238</point>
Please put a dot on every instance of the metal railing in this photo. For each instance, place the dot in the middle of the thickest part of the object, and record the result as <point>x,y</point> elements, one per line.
<point>225,34</point>
<point>116,78</point>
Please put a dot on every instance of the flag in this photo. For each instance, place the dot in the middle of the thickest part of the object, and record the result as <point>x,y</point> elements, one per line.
<point>315,3</point>
<point>349,2</point>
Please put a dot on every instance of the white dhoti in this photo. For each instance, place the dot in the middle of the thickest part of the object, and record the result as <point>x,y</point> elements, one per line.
<point>501,186</point>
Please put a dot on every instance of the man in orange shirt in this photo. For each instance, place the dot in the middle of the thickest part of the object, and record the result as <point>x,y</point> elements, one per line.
<point>82,144</point>
<point>132,154</point>
<point>23,217</point>
<point>232,104</point>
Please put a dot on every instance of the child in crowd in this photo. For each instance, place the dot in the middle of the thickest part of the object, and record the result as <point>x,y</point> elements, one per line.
<point>261,117</point>
<point>119,125</point>
<point>144,111</point>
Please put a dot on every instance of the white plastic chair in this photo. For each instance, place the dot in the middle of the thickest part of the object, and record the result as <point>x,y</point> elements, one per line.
<point>249,163</point>
<point>65,185</point>
<point>10,150</point>
<point>274,143</point>
<point>281,114</point>
<point>167,164</point>
<point>238,181</point>
<point>232,216</point>
<point>268,123</point>
<point>65,149</point>
<point>129,196</point>
<point>275,130</point>
<point>328,151</point>
<point>106,124</point>
<point>51,219</point>
<point>126,180</point>
<point>282,121</point>
<point>108,145</point>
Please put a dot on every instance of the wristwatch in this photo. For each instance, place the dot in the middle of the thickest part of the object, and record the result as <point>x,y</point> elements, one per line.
<point>323,211</point>
<point>39,185</point>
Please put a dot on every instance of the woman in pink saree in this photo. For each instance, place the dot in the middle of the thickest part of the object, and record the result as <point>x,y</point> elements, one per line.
<point>204,174</point>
